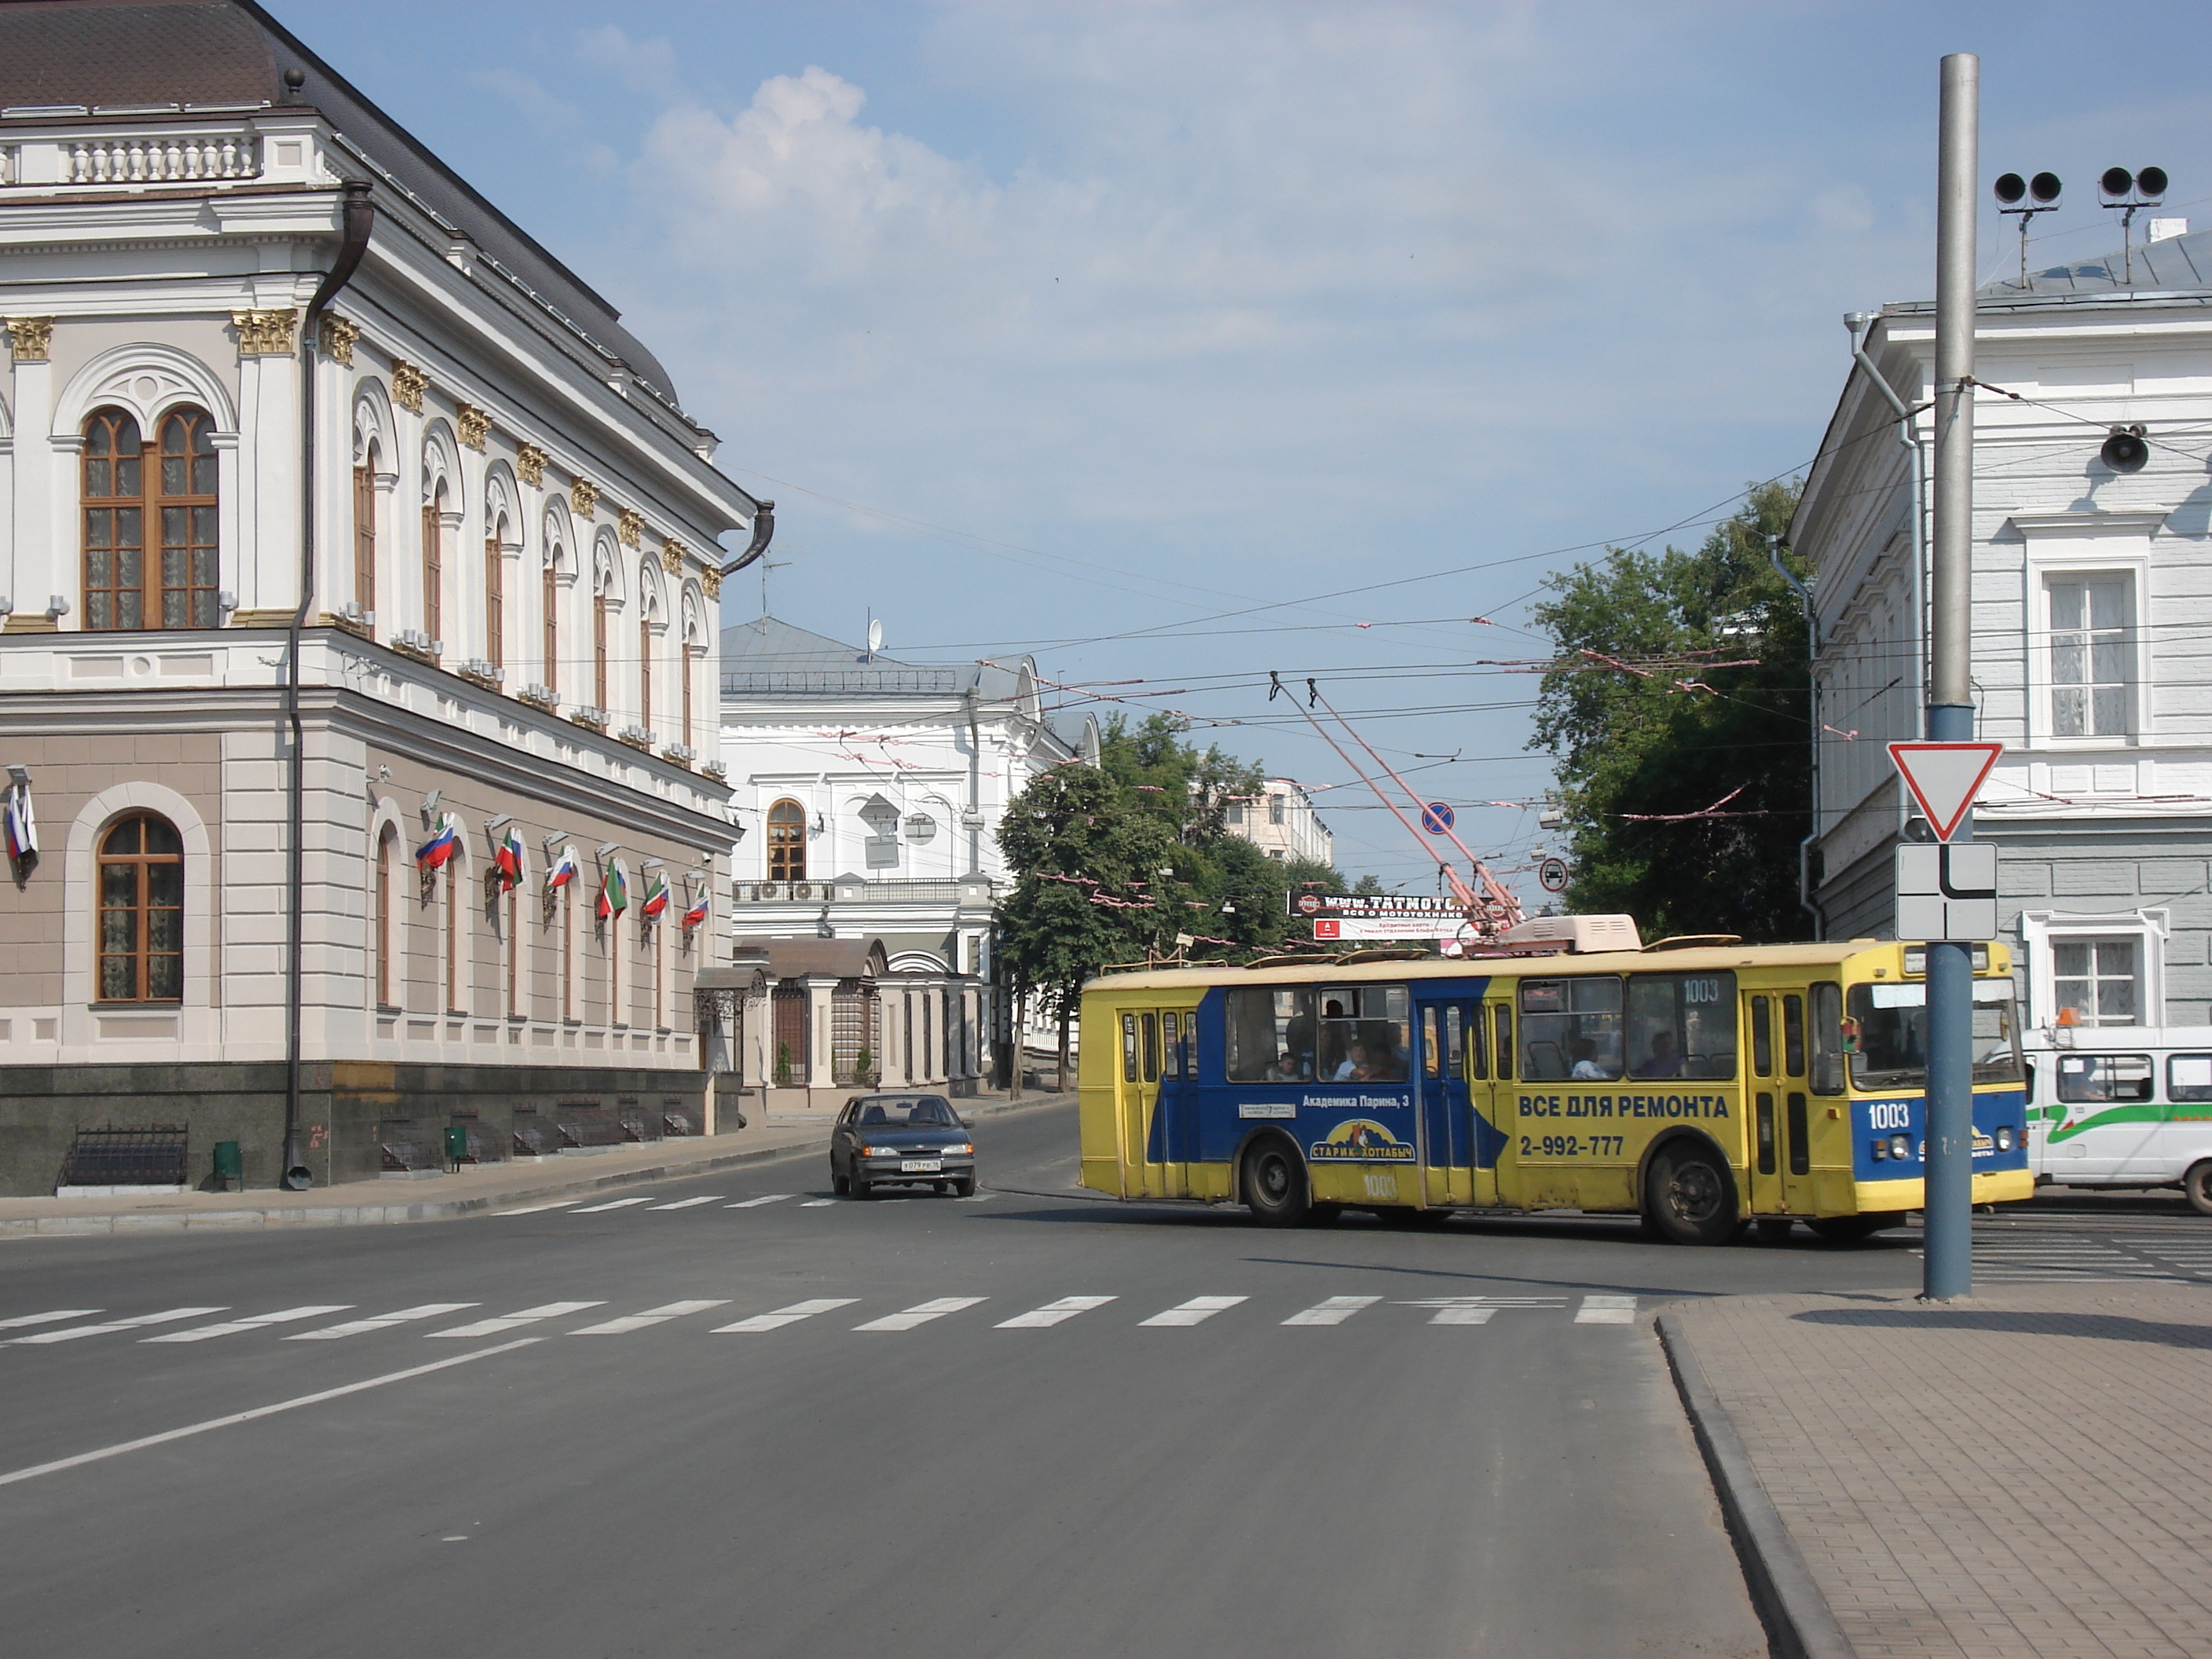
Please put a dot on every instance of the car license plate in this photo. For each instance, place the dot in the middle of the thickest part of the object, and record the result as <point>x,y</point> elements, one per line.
<point>921,1165</point>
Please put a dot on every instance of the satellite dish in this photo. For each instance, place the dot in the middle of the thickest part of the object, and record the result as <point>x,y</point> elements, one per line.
<point>2010,187</point>
<point>2044,187</point>
<point>2151,182</point>
<point>2116,181</point>
<point>875,637</point>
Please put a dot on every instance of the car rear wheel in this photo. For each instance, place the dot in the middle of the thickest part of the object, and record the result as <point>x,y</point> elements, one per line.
<point>1688,1198</point>
<point>1274,1185</point>
<point>2197,1183</point>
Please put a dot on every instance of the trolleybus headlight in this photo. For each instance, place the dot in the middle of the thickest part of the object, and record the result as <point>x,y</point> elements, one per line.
<point>2004,1137</point>
<point>1901,1147</point>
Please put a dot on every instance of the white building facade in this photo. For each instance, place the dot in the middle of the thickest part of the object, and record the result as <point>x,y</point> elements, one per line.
<point>2092,593</point>
<point>507,631</point>
<point>868,793</point>
<point>1280,821</point>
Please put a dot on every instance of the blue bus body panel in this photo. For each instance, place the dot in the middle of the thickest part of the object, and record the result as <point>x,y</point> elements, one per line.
<point>1907,1114</point>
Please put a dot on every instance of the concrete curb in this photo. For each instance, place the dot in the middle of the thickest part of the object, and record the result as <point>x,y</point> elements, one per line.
<point>1796,1613</point>
<point>388,1214</point>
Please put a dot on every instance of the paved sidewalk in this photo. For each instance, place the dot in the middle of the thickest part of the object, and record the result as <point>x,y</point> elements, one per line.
<point>2026,1473</point>
<point>489,1187</point>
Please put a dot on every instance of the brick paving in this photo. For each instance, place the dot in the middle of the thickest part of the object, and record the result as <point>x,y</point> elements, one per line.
<point>2028,1474</point>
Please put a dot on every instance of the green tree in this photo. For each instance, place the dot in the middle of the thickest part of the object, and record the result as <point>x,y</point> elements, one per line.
<point>1671,734</point>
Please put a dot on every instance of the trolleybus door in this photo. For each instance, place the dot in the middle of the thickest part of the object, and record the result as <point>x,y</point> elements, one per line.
<point>1447,1119</point>
<point>1760,1016</point>
<point>1155,1067</point>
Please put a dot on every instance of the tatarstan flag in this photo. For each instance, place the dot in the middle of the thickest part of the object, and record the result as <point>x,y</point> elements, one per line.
<point>614,893</point>
<point>656,894</point>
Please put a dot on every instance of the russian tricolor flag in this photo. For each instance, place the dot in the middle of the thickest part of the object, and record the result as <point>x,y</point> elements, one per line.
<point>434,853</point>
<point>697,913</point>
<point>22,829</point>
<point>563,871</point>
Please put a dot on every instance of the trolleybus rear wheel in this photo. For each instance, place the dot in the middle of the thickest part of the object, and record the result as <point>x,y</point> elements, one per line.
<point>1688,1198</point>
<point>1274,1185</point>
<point>2197,1183</point>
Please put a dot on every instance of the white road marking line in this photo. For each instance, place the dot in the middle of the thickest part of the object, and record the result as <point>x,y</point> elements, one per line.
<point>510,1322</point>
<point>755,1203</point>
<point>817,1203</point>
<point>382,1321</point>
<point>1473,1314</point>
<point>1478,1310</point>
<point>21,1320</point>
<point>977,1198</point>
<point>1196,1311</point>
<point>540,1209</point>
<point>163,1439</point>
<point>619,1204</point>
<point>1053,1313</point>
<point>921,1313</point>
<point>73,1332</point>
<point>659,1316</point>
<point>1607,1310</point>
<point>230,1326</point>
<point>688,1203</point>
<point>1334,1311</point>
<point>791,1315</point>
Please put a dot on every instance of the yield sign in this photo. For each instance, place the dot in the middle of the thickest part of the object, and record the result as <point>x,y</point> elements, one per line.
<point>1944,778</point>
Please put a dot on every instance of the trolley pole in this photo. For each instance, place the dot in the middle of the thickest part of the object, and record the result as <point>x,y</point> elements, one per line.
<point>1949,1261</point>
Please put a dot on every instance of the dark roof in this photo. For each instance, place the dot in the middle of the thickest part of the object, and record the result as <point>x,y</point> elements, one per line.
<point>122,55</point>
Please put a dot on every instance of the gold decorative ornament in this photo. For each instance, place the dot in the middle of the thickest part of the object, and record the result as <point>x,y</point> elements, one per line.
<point>264,333</point>
<point>474,423</point>
<point>30,336</point>
<point>630,527</point>
<point>408,383</point>
<point>530,465</point>
<point>671,556</point>
<point>583,497</point>
<point>710,580</point>
<point>336,337</point>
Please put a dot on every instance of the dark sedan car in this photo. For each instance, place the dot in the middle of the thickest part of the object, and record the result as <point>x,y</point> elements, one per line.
<point>912,1140</point>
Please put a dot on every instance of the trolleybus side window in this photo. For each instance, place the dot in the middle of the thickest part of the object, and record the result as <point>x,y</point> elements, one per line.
<point>1681,1025</point>
<point>1571,1029</point>
<point>1364,1033</point>
<point>1171,1029</point>
<point>2105,1077</point>
<point>1827,1040</point>
<point>1762,1042</point>
<point>1152,1030</point>
<point>1442,1055</point>
<point>1477,1048</point>
<point>1889,1026</point>
<point>1431,1044</point>
<point>1271,1034</point>
<point>1128,1047</point>
<point>2189,1079</point>
<point>1455,1056</point>
<point>1793,1035</point>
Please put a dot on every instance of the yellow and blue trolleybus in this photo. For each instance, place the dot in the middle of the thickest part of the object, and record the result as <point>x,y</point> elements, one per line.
<point>1699,1084</point>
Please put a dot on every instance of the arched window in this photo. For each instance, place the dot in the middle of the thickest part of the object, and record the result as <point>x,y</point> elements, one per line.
<point>786,841</point>
<point>495,597</point>
<point>434,566</point>
<point>645,672</point>
<point>149,522</point>
<point>600,580</point>
<point>388,858</point>
<point>142,911</point>
<point>550,604</point>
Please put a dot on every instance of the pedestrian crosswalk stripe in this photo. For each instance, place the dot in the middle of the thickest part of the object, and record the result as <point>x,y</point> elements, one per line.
<point>817,1203</point>
<point>540,1209</point>
<point>513,1320</point>
<point>659,1316</point>
<point>231,1326</point>
<point>1054,1313</point>
<point>1607,1310</point>
<point>921,1313</point>
<point>688,1203</point>
<point>977,1198</point>
<point>1334,1311</point>
<point>618,1204</point>
<point>1196,1311</point>
<point>57,1314</point>
<point>70,1332</point>
<point>755,1203</point>
<point>1478,1310</point>
<point>791,1315</point>
<point>382,1321</point>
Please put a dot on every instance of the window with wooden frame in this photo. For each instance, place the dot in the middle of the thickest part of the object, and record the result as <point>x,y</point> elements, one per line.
<point>142,911</point>
<point>151,511</point>
<point>514,953</point>
<point>689,665</point>
<point>786,841</point>
<point>364,533</point>
<point>568,956</point>
<point>645,674</point>
<point>549,600</point>
<point>495,603</point>
<point>599,642</point>
<point>434,568</point>
<point>387,859</point>
<point>455,1002</point>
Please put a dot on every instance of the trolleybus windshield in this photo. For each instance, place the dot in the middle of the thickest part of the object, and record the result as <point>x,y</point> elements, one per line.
<point>1888,1036</point>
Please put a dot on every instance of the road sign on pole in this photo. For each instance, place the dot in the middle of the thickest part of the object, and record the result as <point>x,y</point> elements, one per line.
<point>1946,890</point>
<point>1944,779</point>
<point>1437,817</point>
<point>1552,873</point>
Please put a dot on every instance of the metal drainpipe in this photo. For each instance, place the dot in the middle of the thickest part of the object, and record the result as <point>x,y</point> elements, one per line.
<point>974,784</point>
<point>359,216</point>
<point>1812,718</point>
<point>1908,433</point>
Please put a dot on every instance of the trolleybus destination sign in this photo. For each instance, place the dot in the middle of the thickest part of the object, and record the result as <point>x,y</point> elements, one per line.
<point>1382,916</point>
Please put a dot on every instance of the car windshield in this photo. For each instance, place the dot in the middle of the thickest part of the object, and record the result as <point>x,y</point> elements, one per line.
<point>907,1111</point>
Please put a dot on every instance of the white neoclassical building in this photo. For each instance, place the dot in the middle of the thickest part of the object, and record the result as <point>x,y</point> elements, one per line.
<point>1280,821</point>
<point>244,691</point>
<point>867,794</point>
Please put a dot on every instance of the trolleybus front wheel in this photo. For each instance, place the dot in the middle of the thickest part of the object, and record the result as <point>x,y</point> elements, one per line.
<point>1688,1198</point>
<point>1274,1185</point>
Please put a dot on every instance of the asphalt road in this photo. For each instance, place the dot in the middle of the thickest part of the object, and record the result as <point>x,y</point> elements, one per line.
<point>1355,1439</point>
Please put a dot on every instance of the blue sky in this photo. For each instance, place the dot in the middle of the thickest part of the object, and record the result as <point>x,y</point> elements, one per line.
<point>1182,342</point>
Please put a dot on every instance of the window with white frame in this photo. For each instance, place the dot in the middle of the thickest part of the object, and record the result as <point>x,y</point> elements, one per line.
<point>2091,630</point>
<point>2099,980</point>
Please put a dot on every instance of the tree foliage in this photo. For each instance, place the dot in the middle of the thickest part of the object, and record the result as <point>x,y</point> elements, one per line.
<point>1636,749</point>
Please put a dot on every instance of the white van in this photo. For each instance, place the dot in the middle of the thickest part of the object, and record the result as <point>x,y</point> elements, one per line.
<point>2116,1106</point>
